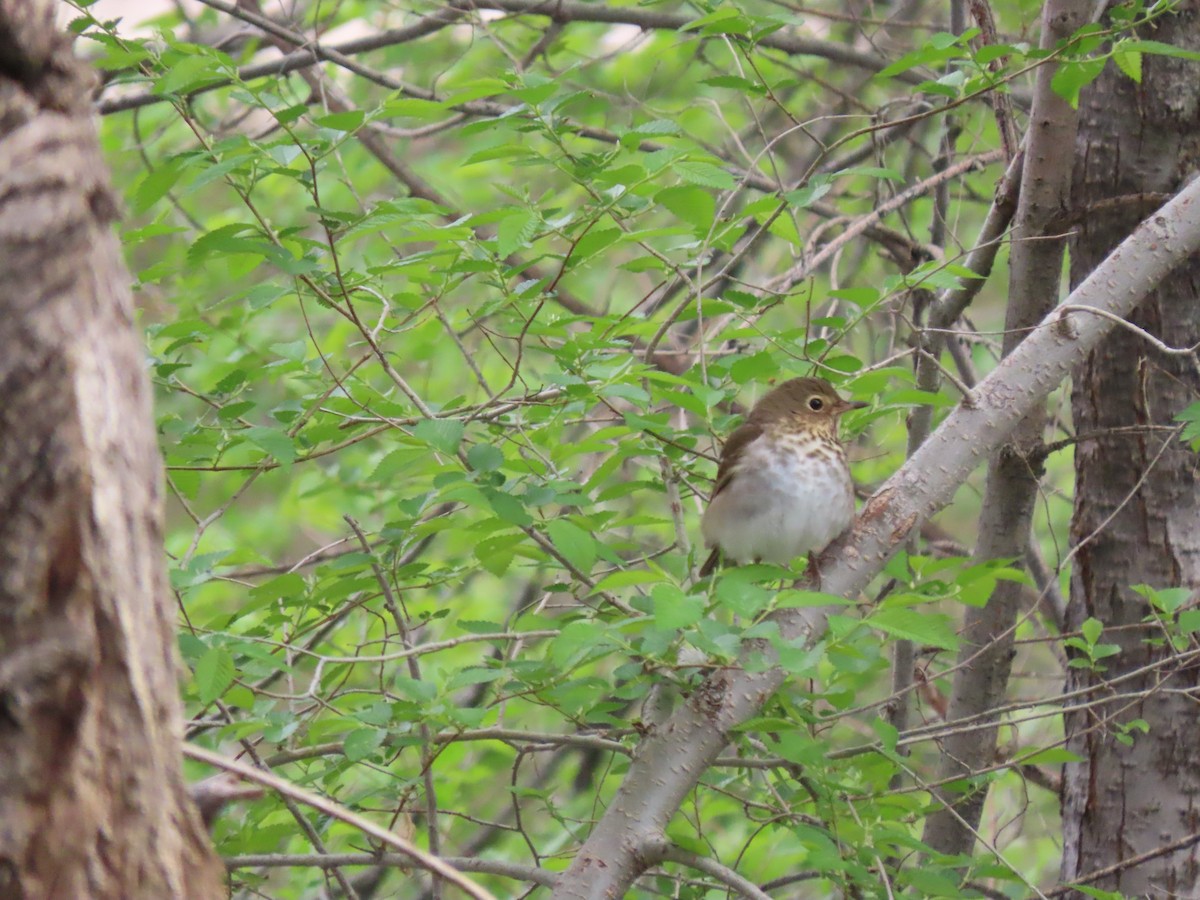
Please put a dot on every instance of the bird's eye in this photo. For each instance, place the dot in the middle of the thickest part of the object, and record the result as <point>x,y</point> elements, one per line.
<point>816,404</point>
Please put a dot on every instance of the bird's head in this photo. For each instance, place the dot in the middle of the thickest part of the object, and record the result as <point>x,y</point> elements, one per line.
<point>807,403</point>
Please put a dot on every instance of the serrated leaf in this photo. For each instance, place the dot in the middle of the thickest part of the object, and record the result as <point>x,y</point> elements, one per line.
<point>1072,77</point>
<point>573,641</point>
<point>274,442</point>
<point>808,195</point>
<point>705,174</point>
<point>888,733</point>
<point>720,19</point>
<point>214,674</point>
<point>657,126</point>
<point>1190,416</point>
<point>1129,63</point>
<point>225,239</point>
<point>627,578</point>
<point>576,545</point>
<point>1052,756</point>
<point>515,231</point>
<point>362,742</point>
<point>485,458</point>
<point>507,507</point>
<point>907,624</point>
<point>475,675</point>
<point>441,434</point>
<point>187,74</point>
<point>691,204</point>
<point>592,243</point>
<point>478,626</point>
<point>1189,621</point>
<point>673,609</point>
<point>1158,48</point>
<point>156,184</point>
<point>349,120</point>
<point>414,108</point>
<point>288,585</point>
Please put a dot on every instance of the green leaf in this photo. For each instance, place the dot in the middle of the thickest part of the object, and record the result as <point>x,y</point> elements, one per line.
<point>187,74</point>
<point>1072,77</point>
<point>477,626</point>
<point>474,675</point>
<point>592,243</point>
<point>573,642</point>
<point>933,54</point>
<point>673,609</point>
<point>705,174</point>
<point>623,578</point>
<point>515,231</point>
<point>576,545</point>
<point>214,674</point>
<point>415,108</point>
<point>350,120</point>
<point>1190,416</point>
<point>362,742</point>
<point>274,442</point>
<point>888,733</point>
<point>723,20</point>
<point>225,239</point>
<point>1091,630</point>
<point>485,458</point>
<point>908,624</point>
<point>289,585</point>
<point>1158,48</point>
<point>1165,599</point>
<point>1129,63</point>
<point>1189,621</point>
<point>809,194</point>
<point>156,183</point>
<point>1097,893</point>
<point>692,204</point>
<point>508,507</point>
<point>443,435</point>
<point>1052,756</point>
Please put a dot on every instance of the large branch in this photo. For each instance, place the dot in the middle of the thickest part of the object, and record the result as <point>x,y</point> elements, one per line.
<point>670,762</point>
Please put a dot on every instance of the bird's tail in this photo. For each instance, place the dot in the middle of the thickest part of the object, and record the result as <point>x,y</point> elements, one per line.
<point>711,562</point>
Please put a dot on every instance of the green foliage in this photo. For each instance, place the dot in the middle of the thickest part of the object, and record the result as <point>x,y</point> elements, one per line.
<point>434,362</point>
<point>1091,652</point>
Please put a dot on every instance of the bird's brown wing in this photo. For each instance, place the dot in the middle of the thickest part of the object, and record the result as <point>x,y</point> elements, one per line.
<point>710,563</point>
<point>741,438</point>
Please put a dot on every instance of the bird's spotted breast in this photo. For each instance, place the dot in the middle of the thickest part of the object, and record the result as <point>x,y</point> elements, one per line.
<point>791,494</point>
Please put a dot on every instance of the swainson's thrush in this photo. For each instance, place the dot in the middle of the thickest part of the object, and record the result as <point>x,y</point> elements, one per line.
<point>783,485</point>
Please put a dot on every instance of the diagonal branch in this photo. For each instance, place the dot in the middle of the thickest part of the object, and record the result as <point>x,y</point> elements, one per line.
<point>670,762</point>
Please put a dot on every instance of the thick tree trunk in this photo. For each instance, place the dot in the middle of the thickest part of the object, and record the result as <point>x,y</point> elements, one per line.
<point>1137,507</point>
<point>92,800</point>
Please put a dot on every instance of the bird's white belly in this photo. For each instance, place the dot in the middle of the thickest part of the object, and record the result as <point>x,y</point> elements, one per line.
<point>779,506</point>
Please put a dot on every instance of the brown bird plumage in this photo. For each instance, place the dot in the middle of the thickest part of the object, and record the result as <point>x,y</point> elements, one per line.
<point>783,486</point>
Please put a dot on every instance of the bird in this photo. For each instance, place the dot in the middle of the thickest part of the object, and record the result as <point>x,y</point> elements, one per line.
<point>783,485</point>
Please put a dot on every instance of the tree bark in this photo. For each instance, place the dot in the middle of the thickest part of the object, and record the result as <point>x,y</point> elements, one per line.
<point>1137,508</point>
<point>1035,265</point>
<point>92,798</point>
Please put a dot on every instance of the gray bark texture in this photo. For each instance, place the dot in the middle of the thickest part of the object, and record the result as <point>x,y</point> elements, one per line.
<point>92,798</point>
<point>1137,513</point>
<point>1035,264</point>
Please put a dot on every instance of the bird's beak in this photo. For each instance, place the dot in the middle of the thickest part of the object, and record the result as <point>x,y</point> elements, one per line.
<point>855,404</point>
